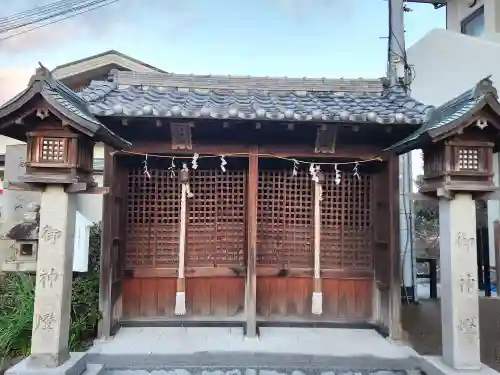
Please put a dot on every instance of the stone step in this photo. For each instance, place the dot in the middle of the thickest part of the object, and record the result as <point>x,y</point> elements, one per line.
<point>255,371</point>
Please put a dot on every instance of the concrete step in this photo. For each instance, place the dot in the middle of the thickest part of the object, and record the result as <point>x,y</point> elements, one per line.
<point>252,371</point>
<point>94,369</point>
<point>204,363</point>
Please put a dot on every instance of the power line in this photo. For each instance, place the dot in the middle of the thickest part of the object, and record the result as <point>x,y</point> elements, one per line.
<point>58,20</point>
<point>44,9</point>
<point>61,11</point>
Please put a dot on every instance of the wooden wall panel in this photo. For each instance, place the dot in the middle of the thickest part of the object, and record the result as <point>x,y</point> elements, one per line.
<point>154,297</point>
<point>343,299</point>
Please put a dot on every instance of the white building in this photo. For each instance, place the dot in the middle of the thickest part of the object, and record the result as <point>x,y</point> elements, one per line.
<point>449,61</point>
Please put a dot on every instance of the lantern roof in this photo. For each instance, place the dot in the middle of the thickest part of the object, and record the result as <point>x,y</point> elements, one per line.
<point>481,101</point>
<point>62,102</point>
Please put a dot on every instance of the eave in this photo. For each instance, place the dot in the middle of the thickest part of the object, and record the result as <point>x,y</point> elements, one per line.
<point>62,102</point>
<point>453,116</point>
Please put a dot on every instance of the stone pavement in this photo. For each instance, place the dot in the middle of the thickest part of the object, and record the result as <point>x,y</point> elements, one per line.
<point>225,351</point>
<point>293,341</point>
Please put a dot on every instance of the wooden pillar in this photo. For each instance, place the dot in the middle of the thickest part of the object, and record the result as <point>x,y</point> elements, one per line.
<point>105,276</point>
<point>251,278</point>
<point>395,331</point>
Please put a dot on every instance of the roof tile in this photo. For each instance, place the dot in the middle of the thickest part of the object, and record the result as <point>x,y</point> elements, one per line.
<point>252,98</point>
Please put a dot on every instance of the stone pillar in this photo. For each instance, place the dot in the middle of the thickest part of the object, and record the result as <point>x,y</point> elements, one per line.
<point>459,294</point>
<point>51,318</point>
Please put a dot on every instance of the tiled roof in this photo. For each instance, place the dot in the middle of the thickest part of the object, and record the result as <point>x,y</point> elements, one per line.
<point>443,118</point>
<point>65,101</point>
<point>135,94</point>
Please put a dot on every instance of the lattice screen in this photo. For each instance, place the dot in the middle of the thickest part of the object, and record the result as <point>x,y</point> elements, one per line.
<point>216,219</point>
<point>216,225</point>
<point>285,221</point>
<point>468,159</point>
<point>141,209</point>
<point>53,149</point>
<point>346,224</point>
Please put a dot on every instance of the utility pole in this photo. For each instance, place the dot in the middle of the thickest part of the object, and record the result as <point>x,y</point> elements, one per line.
<point>398,74</point>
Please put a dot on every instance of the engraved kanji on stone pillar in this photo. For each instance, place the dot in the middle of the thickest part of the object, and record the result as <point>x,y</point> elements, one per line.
<point>459,290</point>
<point>51,318</point>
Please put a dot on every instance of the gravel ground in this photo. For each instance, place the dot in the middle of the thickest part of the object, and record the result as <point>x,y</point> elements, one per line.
<point>422,322</point>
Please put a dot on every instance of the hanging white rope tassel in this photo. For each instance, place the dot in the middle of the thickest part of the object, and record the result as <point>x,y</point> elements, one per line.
<point>180,296</point>
<point>317,296</point>
<point>338,178</point>
<point>194,161</point>
<point>145,169</point>
<point>171,169</point>
<point>295,170</point>
<point>355,171</point>
<point>223,163</point>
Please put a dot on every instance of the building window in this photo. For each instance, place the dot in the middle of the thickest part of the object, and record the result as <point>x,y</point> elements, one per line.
<point>473,24</point>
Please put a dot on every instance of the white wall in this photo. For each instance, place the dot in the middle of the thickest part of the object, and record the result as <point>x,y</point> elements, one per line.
<point>448,63</point>
<point>457,10</point>
<point>90,205</point>
<point>5,141</point>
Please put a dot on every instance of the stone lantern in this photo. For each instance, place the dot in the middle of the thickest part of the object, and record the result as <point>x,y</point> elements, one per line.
<point>60,133</point>
<point>458,141</point>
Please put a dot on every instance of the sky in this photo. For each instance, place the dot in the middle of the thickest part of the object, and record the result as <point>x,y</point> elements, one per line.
<point>294,38</point>
<point>316,38</point>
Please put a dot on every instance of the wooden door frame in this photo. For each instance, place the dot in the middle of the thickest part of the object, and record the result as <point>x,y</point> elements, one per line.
<point>251,276</point>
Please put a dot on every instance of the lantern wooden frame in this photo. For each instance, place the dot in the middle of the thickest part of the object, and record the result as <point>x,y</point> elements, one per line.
<point>56,153</point>
<point>458,164</point>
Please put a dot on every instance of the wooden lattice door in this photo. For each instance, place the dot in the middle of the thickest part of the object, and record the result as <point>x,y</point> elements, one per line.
<point>346,223</point>
<point>284,220</point>
<point>215,240</point>
<point>285,243</point>
<point>216,224</point>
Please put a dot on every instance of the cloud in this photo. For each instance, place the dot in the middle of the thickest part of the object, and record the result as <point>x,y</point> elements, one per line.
<point>12,81</point>
<point>301,9</point>
<point>94,24</point>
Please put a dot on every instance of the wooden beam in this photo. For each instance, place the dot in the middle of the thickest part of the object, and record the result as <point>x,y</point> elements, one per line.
<point>105,275</point>
<point>487,196</point>
<point>219,271</point>
<point>23,186</point>
<point>354,152</point>
<point>251,279</point>
<point>85,188</point>
<point>395,330</point>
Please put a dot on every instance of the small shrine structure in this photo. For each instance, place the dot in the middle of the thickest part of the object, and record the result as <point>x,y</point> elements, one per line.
<point>458,142</point>
<point>250,200</point>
